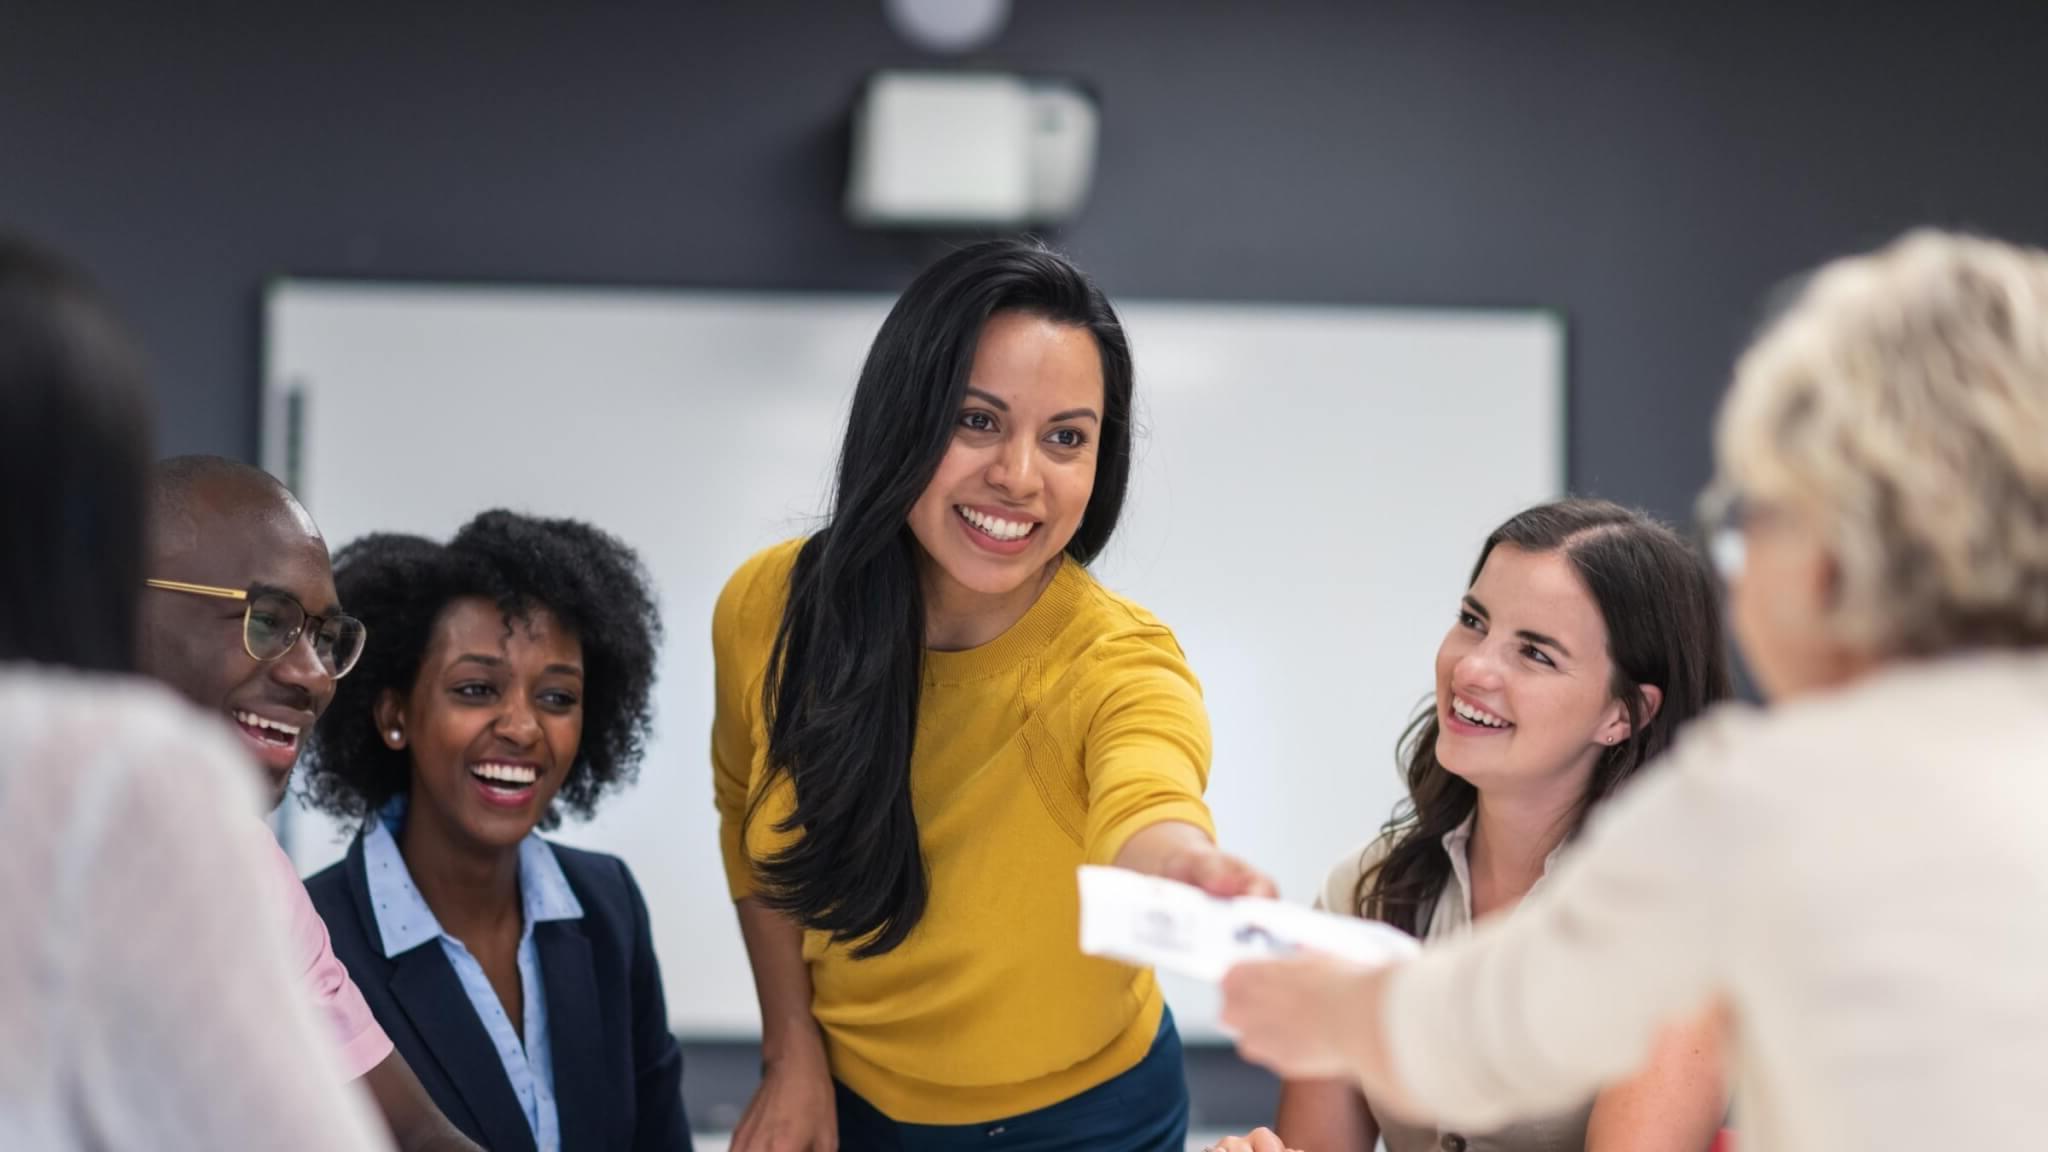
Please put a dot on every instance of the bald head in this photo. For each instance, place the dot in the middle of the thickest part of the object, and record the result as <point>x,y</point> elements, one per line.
<point>192,496</point>
<point>220,524</point>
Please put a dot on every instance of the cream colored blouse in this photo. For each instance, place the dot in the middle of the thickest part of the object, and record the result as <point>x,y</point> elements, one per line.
<point>1452,917</point>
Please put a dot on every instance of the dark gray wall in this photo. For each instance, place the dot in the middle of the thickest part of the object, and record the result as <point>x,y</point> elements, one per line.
<point>1647,169</point>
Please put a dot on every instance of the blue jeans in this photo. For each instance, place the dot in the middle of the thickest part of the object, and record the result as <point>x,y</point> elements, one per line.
<point>1142,1110</point>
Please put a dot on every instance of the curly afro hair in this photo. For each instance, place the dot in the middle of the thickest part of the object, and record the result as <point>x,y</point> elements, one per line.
<point>398,585</point>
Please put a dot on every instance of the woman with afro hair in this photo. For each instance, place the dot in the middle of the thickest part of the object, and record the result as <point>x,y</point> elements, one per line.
<point>505,683</point>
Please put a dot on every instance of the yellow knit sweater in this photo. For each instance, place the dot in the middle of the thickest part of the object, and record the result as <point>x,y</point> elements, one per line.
<point>1042,750</point>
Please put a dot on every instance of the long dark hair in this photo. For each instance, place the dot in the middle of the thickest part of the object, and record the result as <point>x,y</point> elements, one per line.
<point>842,690</point>
<point>74,472</point>
<point>1663,616</point>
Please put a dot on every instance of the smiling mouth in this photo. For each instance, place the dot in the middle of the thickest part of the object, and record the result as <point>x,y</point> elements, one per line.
<point>1473,714</point>
<point>500,776</point>
<point>273,733</point>
<point>994,527</point>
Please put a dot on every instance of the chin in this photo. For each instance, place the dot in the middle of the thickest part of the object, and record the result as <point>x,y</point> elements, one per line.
<point>991,575</point>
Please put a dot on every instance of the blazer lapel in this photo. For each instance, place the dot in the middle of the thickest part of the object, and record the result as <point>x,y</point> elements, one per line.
<point>426,987</point>
<point>583,1105</point>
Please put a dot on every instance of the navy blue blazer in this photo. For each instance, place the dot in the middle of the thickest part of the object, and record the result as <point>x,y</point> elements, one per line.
<point>618,1068</point>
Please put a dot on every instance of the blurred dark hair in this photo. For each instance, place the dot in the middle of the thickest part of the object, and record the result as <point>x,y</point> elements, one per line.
<point>74,472</point>
<point>1662,610</point>
<point>842,690</point>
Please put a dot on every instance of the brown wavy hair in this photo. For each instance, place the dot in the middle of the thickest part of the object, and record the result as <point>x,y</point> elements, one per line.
<point>1663,615</point>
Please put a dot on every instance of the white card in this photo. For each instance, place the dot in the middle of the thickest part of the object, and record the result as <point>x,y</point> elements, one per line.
<point>1145,920</point>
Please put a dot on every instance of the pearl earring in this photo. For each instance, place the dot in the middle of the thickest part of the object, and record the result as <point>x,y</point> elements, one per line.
<point>395,734</point>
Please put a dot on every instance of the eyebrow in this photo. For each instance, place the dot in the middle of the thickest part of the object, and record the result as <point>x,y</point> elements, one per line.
<point>499,662</point>
<point>1001,405</point>
<point>1479,610</point>
<point>259,588</point>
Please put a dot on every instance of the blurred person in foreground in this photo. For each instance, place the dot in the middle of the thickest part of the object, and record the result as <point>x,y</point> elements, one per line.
<point>143,977</point>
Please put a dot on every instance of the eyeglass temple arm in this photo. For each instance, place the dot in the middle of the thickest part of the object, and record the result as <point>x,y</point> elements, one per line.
<point>198,589</point>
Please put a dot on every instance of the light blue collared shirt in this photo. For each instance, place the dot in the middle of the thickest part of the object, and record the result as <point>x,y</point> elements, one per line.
<point>405,922</point>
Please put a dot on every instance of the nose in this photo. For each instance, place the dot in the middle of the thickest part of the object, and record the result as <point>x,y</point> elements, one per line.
<point>300,668</point>
<point>1014,471</point>
<point>517,723</point>
<point>1478,669</point>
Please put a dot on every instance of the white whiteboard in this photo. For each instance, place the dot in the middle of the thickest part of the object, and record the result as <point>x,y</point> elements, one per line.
<point>1312,485</point>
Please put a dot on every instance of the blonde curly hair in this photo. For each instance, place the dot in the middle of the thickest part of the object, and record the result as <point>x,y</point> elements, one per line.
<point>1901,404</point>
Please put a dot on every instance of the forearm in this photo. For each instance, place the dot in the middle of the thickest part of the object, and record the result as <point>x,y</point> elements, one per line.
<point>782,980</point>
<point>1676,1103</point>
<point>416,1124</point>
<point>1365,1045</point>
<point>1153,848</point>
<point>1325,1115</point>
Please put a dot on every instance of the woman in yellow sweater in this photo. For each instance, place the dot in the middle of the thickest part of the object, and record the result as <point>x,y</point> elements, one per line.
<point>929,714</point>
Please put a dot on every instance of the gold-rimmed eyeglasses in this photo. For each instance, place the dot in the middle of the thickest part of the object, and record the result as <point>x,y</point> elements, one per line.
<point>273,621</point>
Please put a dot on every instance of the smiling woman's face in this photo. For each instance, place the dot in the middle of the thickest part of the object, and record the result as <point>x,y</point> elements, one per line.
<point>1011,490</point>
<point>493,722</point>
<point>1523,678</point>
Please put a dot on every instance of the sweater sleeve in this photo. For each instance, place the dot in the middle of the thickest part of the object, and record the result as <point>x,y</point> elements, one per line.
<point>743,627</point>
<point>1146,749</point>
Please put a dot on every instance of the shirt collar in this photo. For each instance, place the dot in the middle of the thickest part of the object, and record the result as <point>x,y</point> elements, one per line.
<point>403,919</point>
<point>1458,845</point>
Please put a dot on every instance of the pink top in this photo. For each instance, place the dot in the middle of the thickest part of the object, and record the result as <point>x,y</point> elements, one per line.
<point>361,1042</point>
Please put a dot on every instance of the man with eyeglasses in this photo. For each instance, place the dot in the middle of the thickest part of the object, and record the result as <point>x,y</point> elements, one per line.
<point>240,617</point>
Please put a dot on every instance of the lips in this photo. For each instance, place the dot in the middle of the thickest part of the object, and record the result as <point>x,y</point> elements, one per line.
<point>505,783</point>
<point>1464,716</point>
<point>1003,535</point>
<point>273,739</point>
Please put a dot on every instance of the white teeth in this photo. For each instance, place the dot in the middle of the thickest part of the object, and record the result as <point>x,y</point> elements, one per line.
<point>1468,712</point>
<point>255,721</point>
<point>1000,529</point>
<point>506,773</point>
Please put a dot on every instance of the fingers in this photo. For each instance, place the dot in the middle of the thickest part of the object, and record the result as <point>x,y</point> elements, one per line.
<point>1266,1140</point>
<point>1221,874</point>
<point>1259,1140</point>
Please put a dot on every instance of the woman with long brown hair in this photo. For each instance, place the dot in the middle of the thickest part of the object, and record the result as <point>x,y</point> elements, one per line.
<point>1588,634</point>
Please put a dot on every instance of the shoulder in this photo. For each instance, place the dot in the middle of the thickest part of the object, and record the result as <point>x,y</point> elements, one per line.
<point>1339,892</point>
<point>587,866</point>
<point>143,759</point>
<point>601,881</point>
<point>131,721</point>
<point>329,886</point>
<point>331,894</point>
<point>1111,637</point>
<point>757,588</point>
<point>1109,616</point>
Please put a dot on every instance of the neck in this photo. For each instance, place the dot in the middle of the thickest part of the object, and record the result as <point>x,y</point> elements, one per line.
<point>957,618</point>
<point>1513,835</point>
<point>470,889</point>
